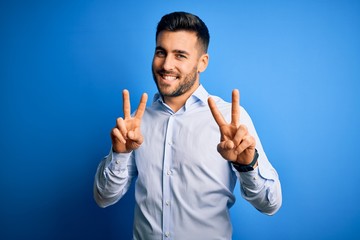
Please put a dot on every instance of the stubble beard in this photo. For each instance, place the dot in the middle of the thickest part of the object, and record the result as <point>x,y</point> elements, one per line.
<point>183,86</point>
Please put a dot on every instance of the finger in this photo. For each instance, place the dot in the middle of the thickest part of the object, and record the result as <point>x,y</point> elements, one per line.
<point>216,113</point>
<point>116,135</point>
<point>126,104</point>
<point>142,105</point>
<point>136,136</point>
<point>247,142</point>
<point>235,107</point>
<point>241,132</point>
<point>225,145</point>
<point>121,126</point>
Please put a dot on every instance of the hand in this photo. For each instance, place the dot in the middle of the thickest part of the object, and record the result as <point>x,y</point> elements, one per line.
<point>126,135</point>
<point>236,144</point>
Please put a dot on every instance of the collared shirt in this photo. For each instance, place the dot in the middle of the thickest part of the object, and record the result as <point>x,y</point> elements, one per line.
<point>183,187</point>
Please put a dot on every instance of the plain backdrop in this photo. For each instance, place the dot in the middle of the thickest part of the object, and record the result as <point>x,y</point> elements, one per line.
<point>63,65</point>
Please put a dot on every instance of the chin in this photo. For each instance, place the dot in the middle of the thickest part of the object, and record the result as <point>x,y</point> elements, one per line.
<point>165,92</point>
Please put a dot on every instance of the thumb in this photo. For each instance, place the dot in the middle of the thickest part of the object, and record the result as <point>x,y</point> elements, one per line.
<point>226,145</point>
<point>131,135</point>
<point>135,136</point>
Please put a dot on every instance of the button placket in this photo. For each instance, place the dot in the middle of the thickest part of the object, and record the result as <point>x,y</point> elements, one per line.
<point>167,174</point>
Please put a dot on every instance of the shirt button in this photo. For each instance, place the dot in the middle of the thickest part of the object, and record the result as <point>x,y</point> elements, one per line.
<point>117,161</point>
<point>167,234</point>
<point>169,172</point>
<point>167,203</point>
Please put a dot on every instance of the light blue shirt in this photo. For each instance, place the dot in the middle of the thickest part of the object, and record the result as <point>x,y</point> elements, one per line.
<point>184,188</point>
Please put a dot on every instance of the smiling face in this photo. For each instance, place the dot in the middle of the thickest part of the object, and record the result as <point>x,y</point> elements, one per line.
<point>177,63</point>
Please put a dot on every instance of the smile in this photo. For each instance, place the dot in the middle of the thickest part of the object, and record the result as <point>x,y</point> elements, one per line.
<point>169,78</point>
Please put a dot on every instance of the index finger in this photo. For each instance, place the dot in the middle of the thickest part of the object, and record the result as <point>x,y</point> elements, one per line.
<point>126,104</point>
<point>216,113</point>
<point>235,107</point>
<point>142,105</point>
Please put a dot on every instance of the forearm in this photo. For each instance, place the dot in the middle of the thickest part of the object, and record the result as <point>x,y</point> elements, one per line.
<point>113,178</point>
<point>263,193</point>
<point>261,187</point>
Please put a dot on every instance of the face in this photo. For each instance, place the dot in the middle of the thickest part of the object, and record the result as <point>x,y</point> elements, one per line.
<point>177,63</point>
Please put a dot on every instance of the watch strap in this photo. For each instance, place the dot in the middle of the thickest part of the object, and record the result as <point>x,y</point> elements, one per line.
<point>248,167</point>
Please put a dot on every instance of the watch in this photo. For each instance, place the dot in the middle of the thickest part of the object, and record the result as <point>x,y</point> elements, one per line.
<point>248,167</point>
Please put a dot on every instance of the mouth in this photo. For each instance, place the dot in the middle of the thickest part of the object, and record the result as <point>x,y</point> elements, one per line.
<point>168,77</point>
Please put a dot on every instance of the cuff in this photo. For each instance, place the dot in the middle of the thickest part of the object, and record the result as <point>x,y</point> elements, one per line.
<point>117,161</point>
<point>252,179</point>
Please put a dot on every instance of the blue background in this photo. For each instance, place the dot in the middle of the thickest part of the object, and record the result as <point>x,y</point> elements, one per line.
<point>63,65</point>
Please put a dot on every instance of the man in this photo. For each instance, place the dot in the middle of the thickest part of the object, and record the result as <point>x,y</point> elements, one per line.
<point>187,149</point>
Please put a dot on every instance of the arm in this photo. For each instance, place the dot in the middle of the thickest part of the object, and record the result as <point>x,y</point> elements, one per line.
<point>261,187</point>
<point>115,172</point>
<point>113,178</point>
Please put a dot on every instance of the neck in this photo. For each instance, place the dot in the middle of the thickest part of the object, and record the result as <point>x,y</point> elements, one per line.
<point>175,103</point>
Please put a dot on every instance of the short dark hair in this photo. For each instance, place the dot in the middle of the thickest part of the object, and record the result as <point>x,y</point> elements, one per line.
<point>177,21</point>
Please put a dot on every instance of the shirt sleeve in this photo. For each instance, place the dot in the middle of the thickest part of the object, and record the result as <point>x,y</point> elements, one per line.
<point>261,187</point>
<point>113,178</point>
<point>264,193</point>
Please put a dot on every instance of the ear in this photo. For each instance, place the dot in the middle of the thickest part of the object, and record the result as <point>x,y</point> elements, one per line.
<point>203,62</point>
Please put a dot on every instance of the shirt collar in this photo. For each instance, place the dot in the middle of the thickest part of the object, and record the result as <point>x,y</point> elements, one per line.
<point>200,94</point>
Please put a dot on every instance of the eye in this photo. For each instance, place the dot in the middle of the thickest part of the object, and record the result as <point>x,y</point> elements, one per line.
<point>180,56</point>
<point>160,53</point>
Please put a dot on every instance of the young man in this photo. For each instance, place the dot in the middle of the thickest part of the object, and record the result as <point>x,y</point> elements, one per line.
<point>187,149</point>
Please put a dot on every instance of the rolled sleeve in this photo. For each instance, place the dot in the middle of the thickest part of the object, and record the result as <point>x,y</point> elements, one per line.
<point>118,162</point>
<point>113,178</point>
<point>261,187</point>
<point>252,179</point>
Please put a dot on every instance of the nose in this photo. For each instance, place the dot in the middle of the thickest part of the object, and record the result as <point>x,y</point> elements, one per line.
<point>168,63</point>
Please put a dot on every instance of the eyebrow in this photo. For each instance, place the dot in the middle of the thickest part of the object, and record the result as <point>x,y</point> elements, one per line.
<point>181,52</point>
<point>174,51</point>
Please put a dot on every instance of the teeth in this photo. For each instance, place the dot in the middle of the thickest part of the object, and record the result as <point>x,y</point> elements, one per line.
<point>169,78</point>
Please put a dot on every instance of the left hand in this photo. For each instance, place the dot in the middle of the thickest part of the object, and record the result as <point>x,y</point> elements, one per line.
<point>236,144</point>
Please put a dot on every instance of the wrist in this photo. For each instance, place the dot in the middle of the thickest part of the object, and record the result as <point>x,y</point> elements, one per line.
<point>247,167</point>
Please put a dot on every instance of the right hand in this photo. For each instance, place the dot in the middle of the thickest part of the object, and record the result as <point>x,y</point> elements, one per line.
<point>126,135</point>
<point>236,143</point>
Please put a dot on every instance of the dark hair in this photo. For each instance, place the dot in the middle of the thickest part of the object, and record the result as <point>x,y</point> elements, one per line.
<point>177,21</point>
